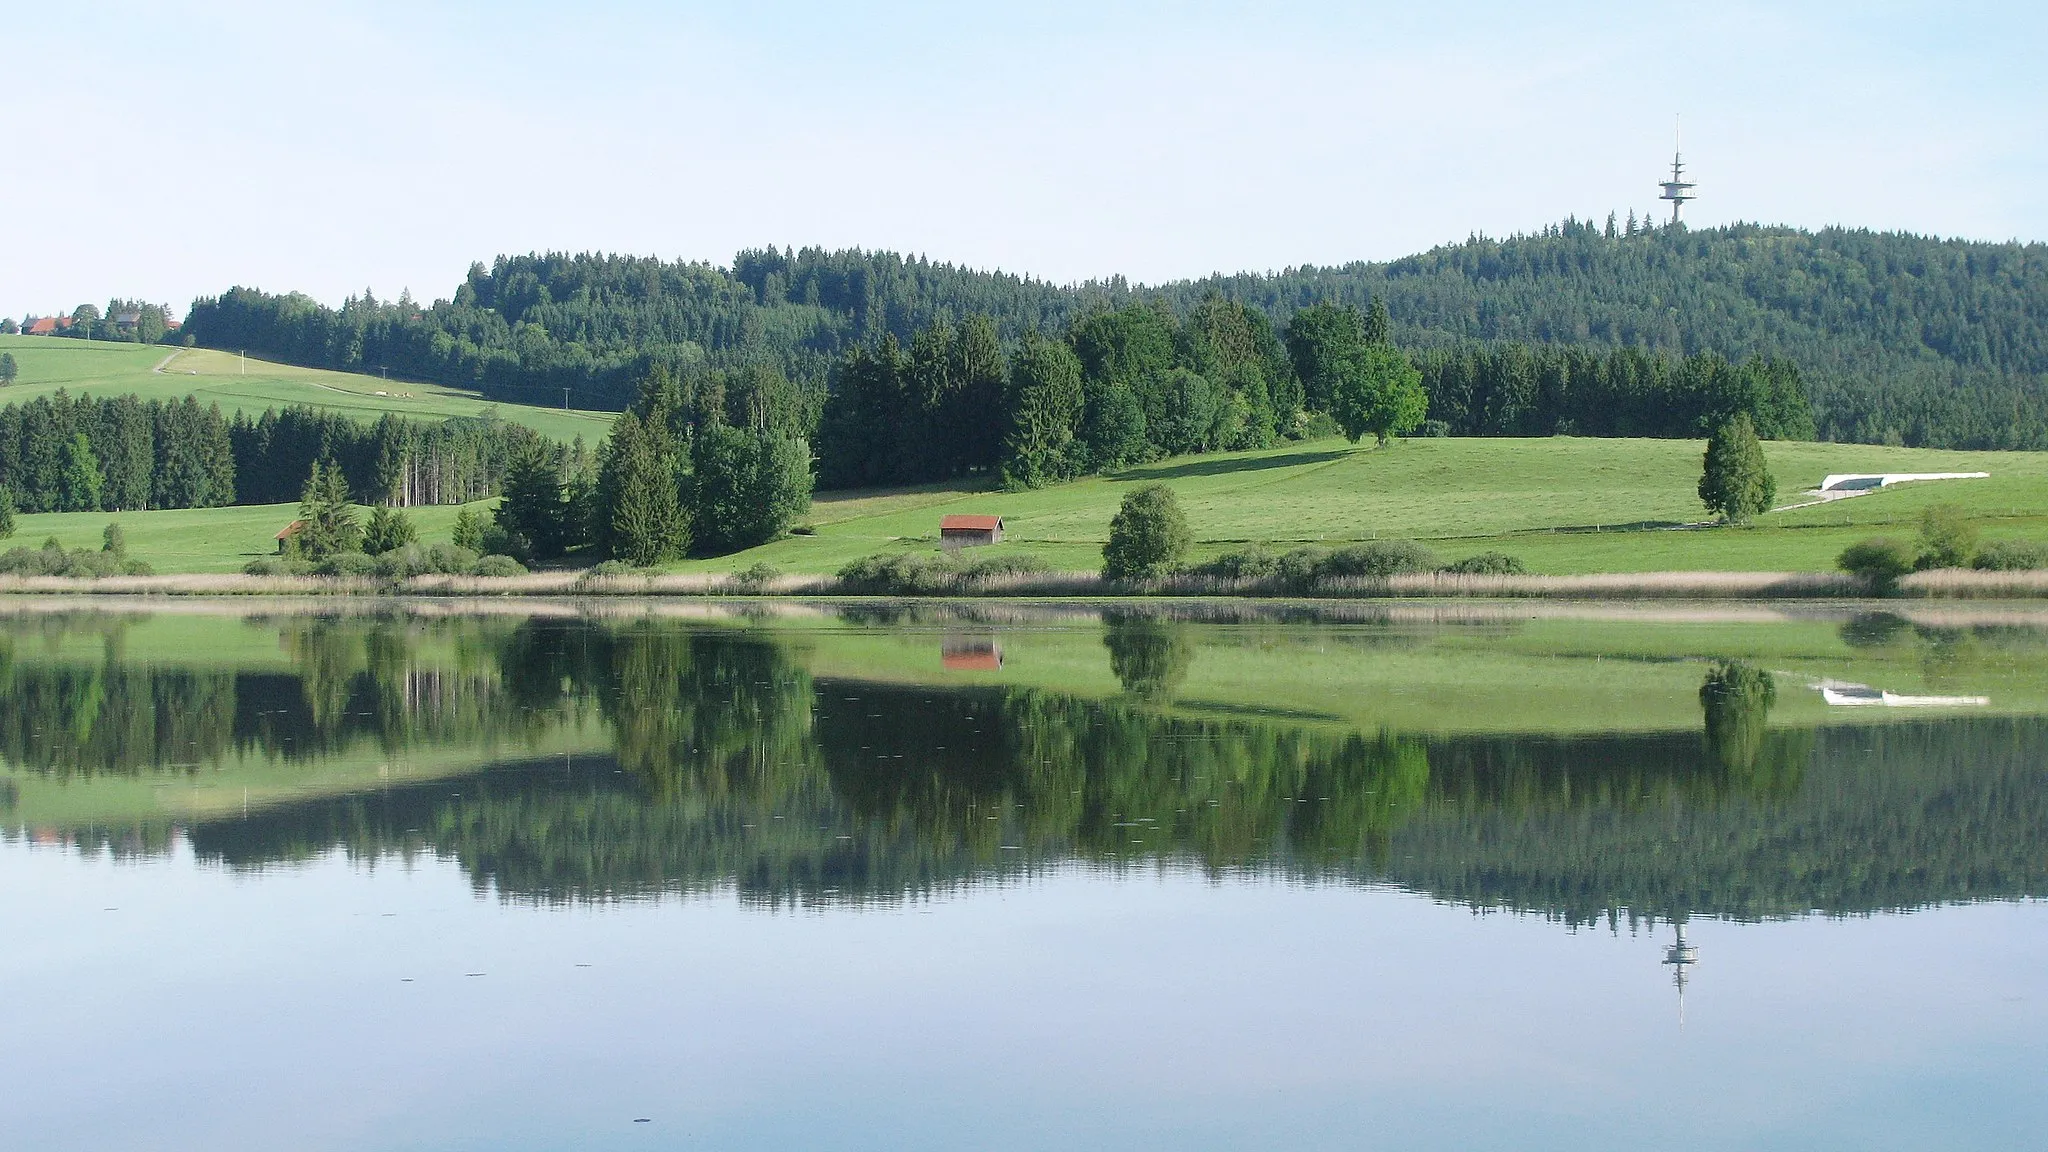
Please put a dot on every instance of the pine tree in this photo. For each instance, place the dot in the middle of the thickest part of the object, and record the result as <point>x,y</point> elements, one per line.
<point>8,368</point>
<point>1379,327</point>
<point>81,477</point>
<point>1045,410</point>
<point>1735,480</point>
<point>640,514</point>
<point>329,518</point>
<point>534,514</point>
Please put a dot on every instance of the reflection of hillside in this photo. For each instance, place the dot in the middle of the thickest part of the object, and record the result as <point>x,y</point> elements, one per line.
<point>733,764</point>
<point>915,790</point>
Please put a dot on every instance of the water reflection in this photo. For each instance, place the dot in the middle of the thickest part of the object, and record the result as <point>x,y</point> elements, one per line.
<point>568,758</point>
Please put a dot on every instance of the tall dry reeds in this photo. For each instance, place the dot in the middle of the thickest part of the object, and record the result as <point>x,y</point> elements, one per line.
<point>1947,583</point>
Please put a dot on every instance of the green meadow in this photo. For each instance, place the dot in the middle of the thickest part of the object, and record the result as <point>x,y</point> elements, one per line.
<point>156,372</point>
<point>1563,505</point>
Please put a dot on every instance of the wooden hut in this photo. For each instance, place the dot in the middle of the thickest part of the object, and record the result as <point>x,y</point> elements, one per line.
<point>969,531</point>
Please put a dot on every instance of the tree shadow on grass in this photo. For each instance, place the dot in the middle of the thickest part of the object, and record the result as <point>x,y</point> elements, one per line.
<point>1225,467</point>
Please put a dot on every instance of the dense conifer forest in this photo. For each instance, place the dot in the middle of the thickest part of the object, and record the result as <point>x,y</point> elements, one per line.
<point>1897,338</point>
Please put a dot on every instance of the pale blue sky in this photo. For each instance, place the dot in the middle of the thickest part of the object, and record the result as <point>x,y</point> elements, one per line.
<point>168,149</point>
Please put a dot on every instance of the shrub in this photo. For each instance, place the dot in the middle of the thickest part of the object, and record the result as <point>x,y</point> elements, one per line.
<point>1379,559</point>
<point>1488,564</point>
<point>53,559</point>
<point>114,542</point>
<point>899,574</point>
<point>987,567</point>
<point>756,578</point>
<point>346,564</point>
<point>609,568</point>
<point>1147,537</point>
<point>498,566</point>
<point>2011,556</point>
<point>1879,562</point>
<point>1947,538</point>
<point>1253,563</point>
<point>1434,429</point>
<point>277,566</point>
<point>1299,569</point>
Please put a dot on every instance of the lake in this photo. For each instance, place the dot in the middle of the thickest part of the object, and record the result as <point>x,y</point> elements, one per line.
<point>675,875</point>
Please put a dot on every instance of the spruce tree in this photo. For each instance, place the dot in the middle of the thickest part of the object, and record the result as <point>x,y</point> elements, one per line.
<point>1045,411</point>
<point>8,368</point>
<point>640,514</point>
<point>330,524</point>
<point>1735,480</point>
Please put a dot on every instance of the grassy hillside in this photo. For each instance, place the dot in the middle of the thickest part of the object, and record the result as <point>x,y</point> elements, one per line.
<point>199,539</point>
<point>154,372</point>
<point>1562,504</point>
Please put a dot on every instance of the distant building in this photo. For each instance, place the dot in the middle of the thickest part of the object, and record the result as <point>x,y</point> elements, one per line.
<point>290,533</point>
<point>1865,481</point>
<point>969,531</point>
<point>45,325</point>
<point>127,320</point>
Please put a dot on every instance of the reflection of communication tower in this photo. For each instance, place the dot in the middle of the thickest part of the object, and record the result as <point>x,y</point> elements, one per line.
<point>1681,956</point>
<point>1677,189</point>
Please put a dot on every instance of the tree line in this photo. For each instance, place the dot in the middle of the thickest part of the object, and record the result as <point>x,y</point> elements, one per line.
<point>61,453</point>
<point>1901,338</point>
<point>1126,385</point>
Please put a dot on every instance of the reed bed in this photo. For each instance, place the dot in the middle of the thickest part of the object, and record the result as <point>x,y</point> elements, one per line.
<point>1943,584</point>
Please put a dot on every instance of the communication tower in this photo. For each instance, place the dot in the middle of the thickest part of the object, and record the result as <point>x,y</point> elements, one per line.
<point>1677,189</point>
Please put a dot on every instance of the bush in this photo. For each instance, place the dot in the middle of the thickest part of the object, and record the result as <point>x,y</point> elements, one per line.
<point>987,567</point>
<point>609,568</point>
<point>277,566</point>
<point>756,578</point>
<point>1298,569</point>
<point>1878,562</point>
<point>924,574</point>
<point>1434,429</point>
<point>498,566</point>
<point>114,542</point>
<point>1379,560</point>
<point>1147,537</point>
<point>1947,538</point>
<point>346,564</point>
<point>2011,556</point>
<point>898,574</point>
<point>1253,563</point>
<point>1488,564</point>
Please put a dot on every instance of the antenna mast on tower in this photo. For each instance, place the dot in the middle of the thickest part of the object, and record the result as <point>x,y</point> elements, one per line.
<point>1677,189</point>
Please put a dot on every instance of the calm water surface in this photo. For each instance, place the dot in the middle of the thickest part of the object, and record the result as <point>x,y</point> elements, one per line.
<point>408,877</point>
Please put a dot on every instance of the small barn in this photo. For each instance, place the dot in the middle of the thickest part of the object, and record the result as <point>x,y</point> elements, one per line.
<point>290,533</point>
<point>969,531</point>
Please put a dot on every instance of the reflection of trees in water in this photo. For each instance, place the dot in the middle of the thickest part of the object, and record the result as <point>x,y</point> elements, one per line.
<point>734,766</point>
<point>1149,657</point>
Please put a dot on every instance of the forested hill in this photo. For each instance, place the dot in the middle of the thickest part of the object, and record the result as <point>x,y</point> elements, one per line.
<point>1901,337</point>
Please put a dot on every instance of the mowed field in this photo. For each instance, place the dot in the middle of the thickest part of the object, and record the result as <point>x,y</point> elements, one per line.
<point>1562,504</point>
<point>156,372</point>
<point>199,539</point>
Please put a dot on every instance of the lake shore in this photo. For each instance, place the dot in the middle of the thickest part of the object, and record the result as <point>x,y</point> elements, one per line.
<point>1941,584</point>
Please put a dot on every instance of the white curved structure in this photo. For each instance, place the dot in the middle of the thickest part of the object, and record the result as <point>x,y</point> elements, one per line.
<point>1865,481</point>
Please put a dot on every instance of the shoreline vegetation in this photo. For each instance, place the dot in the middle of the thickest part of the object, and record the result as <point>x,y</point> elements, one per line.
<point>1937,584</point>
